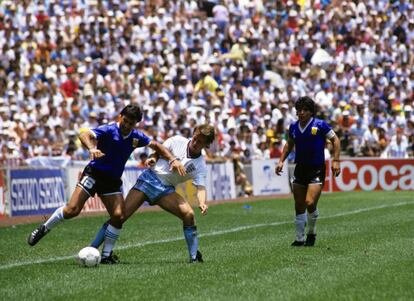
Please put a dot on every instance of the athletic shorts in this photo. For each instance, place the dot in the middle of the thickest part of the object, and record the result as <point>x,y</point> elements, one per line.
<point>95,181</point>
<point>308,174</point>
<point>149,183</point>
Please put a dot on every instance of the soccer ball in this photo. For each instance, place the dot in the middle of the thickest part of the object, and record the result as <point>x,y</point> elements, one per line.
<point>89,257</point>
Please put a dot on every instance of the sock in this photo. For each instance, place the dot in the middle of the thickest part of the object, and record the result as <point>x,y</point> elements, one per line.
<point>300,223</point>
<point>312,218</point>
<point>111,235</point>
<point>55,218</point>
<point>100,236</point>
<point>190,234</point>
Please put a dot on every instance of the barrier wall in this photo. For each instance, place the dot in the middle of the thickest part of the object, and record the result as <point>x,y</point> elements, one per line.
<point>3,188</point>
<point>265,181</point>
<point>42,190</point>
<point>36,191</point>
<point>371,174</point>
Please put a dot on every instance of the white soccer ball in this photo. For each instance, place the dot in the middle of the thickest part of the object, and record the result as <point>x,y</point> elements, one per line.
<point>89,257</point>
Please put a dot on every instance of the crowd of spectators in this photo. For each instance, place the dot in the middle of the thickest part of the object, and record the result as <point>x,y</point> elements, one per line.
<point>238,64</point>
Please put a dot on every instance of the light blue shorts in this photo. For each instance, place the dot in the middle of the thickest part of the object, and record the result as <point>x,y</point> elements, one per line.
<point>149,183</point>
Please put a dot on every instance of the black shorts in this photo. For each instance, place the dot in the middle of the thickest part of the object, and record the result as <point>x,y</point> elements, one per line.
<point>308,174</point>
<point>95,181</point>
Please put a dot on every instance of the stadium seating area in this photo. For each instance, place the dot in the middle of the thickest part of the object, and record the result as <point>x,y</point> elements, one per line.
<point>238,64</point>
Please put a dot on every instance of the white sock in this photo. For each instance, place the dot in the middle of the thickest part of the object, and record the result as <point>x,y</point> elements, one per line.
<point>56,218</point>
<point>312,218</point>
<point>300,223</point>
<point>111,235</point>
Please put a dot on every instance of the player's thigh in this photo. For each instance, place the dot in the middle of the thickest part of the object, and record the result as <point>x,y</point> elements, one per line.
<point>175,204</point>
<point>299,193</point>
<point>313,194</point>
<point>114,204</point>
<point>77,200</point>
<point>133,201</point>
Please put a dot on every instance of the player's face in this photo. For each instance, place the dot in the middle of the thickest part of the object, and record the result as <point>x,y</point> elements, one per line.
<point>126,125</point>
<point>304,115</point>
<point>198,143</point>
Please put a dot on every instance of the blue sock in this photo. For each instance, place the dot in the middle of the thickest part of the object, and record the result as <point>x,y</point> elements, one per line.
<point>99,239</point>
<point>190,234</point>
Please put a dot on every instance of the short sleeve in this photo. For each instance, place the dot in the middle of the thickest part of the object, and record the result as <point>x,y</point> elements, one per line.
<point>101,131</point>
<point>325,128</point>
<point>168,143</point>
<point>143,140</point>
<point>200,179</point>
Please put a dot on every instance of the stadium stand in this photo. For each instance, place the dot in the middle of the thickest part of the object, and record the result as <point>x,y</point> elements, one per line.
<point>238,64</point>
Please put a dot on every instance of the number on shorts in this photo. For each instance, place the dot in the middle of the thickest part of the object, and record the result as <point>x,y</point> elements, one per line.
<point>87,182</point>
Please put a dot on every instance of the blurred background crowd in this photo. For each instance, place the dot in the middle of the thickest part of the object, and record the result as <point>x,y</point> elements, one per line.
<point>237,64</point>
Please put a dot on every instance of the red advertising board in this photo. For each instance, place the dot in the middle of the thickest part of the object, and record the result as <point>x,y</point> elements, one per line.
<point>371,174</point>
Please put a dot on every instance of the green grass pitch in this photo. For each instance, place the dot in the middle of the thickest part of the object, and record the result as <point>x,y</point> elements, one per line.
<point>364,251</point>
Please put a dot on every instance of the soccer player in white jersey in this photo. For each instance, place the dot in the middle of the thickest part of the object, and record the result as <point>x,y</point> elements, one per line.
<point>308,135</point>
<point>157,185</point>
<point>110,146</point>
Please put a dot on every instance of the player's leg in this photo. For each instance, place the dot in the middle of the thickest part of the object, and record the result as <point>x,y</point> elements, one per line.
<point>115,206</point>
<point>133,201</point>
<point>299,194</point>
<point>72,209</point>
<point>175,204</point>
<point>312,197</point>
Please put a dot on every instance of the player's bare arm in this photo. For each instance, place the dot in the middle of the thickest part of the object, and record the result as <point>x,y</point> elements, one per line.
<point>336,168</point>
<point>285,152</point>
<point>202,197</point>
<point>88,140</point>
<point>162,151</point>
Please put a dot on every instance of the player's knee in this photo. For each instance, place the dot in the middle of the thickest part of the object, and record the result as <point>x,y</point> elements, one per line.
<point>118,217</point>
<point>309,203</point>
<point>188,218</point>
<point>71,211</point>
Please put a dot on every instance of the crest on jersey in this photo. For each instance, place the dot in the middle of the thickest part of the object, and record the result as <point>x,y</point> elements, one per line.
<point>135,142</point>
<point>314,130</point>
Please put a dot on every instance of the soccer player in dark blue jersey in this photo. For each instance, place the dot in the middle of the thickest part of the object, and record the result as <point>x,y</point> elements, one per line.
<point>110,147</point>
<point>308,135</point>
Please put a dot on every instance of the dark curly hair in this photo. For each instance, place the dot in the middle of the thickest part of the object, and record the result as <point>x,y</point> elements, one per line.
<point>132,111</point>
<point>306,103</point>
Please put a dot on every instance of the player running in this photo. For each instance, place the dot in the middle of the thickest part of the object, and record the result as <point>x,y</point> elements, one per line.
<point>110,147</point>
<point>157,185</point>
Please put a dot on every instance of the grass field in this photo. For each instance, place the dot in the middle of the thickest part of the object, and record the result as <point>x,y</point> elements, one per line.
<point>364,251</point>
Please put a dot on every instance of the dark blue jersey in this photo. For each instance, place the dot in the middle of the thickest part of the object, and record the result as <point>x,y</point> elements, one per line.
<point>310,141</point>
<point>116,148</point>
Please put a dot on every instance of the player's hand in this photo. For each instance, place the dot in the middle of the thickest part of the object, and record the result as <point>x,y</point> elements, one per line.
<point>203,208</point>
<point>150,162</point>
<point>279,168</point>
<point>336,168</point>
<point>95,153</point>
<point>178,166</point>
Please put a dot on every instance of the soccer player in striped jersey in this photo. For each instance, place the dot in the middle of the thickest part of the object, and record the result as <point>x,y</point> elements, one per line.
<point>157,184</point>
<point>308,135</point>
<point>110,147</point>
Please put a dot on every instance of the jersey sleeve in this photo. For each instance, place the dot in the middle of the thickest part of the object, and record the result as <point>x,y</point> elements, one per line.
<point>201,178</point>
<point>325,128</point>
<point>101,131</point>
<point>168,143</point>
<point>143,140</point>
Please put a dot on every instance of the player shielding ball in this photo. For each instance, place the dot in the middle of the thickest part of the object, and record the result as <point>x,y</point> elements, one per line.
<point>157,185</point>
<point>110,147</point>
<point>308,135</point>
